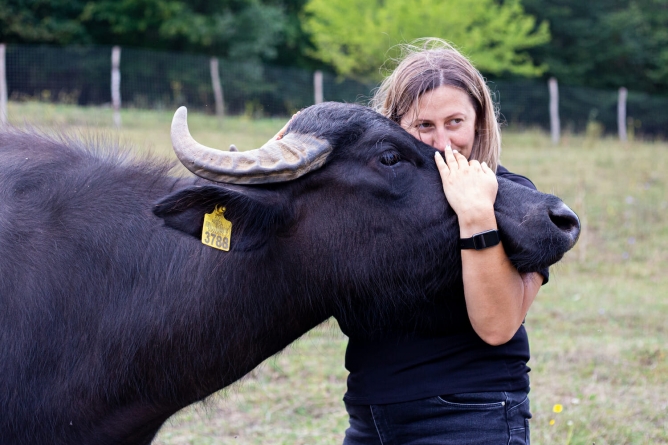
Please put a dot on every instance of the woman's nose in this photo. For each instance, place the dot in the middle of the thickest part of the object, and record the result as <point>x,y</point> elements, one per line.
<point>441,140</point>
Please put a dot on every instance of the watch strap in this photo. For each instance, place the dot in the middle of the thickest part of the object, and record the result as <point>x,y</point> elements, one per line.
<point>482,240</point>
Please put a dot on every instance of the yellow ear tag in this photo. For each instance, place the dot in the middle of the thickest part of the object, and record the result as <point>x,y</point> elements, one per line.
<point>217,230</point>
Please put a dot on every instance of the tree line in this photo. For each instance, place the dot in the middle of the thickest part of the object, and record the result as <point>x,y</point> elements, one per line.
<point>593,43</point>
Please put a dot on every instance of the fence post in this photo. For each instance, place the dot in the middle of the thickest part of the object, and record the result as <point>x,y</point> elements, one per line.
<point>555,125</point>
<point>217,88</point>
<point>116,84</point>
<point>621,114</point>
<point>3,86</point>
<point>317,87</point>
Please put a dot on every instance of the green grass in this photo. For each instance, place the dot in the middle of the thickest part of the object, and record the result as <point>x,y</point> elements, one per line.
<point>598,330</point>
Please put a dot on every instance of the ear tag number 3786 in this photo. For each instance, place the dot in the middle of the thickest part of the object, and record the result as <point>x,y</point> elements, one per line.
<point>216,230</point>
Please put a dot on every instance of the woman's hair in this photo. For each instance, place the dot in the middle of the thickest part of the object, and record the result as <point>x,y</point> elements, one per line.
<point>427,64</point>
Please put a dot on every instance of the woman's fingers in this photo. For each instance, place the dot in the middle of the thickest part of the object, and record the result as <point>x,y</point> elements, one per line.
<point>450,157</point>
<point>452,164</point>
<point>452,160</point>
<point>462,162</point>
<point>475,165</point>
<point>443,168</point>
<point>456,160</point>
<point>486,169</point>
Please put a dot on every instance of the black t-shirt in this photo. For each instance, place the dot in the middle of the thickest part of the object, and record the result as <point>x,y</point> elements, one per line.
<point>399,367</point>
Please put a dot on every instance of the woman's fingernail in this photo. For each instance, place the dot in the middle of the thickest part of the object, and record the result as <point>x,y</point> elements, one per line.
<point>449,147</point>
<point>455,151</point>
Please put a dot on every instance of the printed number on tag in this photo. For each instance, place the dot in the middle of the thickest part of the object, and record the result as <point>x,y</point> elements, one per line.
<point>217,230</point>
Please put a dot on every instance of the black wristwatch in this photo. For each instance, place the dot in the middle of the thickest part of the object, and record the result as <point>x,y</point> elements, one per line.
<point>480,240</point>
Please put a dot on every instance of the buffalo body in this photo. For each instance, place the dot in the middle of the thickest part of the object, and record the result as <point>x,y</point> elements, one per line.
<point>114,315</point>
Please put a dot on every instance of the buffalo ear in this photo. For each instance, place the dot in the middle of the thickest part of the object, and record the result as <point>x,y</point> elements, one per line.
<point>255,213</point>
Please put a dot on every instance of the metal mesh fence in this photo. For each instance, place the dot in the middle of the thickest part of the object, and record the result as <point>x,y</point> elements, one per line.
<point>152,79</point>
<point>157,80</point>
<point>525,105</point>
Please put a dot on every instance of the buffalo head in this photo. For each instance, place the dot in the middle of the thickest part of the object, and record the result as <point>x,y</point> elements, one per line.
<point>353,204</point>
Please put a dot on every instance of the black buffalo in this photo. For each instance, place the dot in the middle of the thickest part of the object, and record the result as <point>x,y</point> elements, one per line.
<point>113,314</point>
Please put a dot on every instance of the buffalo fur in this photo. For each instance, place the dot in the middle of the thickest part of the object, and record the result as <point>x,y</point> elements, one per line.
<point>114,315</point>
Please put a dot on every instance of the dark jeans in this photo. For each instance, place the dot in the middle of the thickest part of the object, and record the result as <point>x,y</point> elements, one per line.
<point>493,418</point>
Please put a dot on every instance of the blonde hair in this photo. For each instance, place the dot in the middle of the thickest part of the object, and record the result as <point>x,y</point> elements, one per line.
<point>427,64</point>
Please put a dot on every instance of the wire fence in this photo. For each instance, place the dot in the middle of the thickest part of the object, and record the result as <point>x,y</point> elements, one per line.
<point>164,80</point>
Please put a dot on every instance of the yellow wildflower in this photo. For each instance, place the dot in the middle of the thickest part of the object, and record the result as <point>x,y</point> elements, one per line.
<point>551,421</point>
<point>557,408</point>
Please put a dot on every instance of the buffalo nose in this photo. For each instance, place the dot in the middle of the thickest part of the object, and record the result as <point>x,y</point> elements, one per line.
<point>566,220</point>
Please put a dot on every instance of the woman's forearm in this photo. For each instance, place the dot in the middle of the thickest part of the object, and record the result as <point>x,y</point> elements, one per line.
<point>494,290</point>
<point>497,296</point>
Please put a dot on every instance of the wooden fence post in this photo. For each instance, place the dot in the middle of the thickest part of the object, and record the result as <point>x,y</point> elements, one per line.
<point>555,125</point>
<point>217,88</point>
<point>116,84</point>
<point>317,87</point>
<point>621,114</point>
<point>3,86</point>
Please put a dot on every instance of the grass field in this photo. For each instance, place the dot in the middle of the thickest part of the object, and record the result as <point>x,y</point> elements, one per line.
<point>598,330</point>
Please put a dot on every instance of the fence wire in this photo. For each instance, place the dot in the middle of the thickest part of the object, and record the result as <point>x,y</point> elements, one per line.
<point>164,80</point>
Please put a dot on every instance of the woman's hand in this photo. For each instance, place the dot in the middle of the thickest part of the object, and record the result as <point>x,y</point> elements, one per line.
<point>470,188</point>
<point>497,296</point>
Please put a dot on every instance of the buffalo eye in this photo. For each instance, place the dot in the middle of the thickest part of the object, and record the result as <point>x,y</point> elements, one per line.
<point>390,158</point>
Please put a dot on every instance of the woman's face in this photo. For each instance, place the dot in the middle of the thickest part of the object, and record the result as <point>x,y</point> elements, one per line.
<point>445,116</point>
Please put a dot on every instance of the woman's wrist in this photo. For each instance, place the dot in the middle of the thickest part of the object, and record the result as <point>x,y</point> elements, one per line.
<point>475,221</point>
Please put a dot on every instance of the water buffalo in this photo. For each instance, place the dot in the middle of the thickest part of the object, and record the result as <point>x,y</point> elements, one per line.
<point>114,315</point>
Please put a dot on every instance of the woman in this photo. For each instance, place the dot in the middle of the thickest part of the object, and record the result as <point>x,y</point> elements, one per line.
<point>467,382</point>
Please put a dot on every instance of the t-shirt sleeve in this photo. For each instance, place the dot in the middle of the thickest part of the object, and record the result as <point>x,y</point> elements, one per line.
<point>526,182</point>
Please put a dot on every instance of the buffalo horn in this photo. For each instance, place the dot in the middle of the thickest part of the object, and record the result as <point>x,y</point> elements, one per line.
<point>276,161</point>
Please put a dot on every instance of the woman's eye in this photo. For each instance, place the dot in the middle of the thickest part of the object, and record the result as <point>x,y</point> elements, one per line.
<point>390,158</point>
<point>456,121</point>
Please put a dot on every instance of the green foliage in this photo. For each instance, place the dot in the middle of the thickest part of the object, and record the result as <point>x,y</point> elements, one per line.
<point>296,43</point>
<point>234,29</point>
<point>606,43</point>
<point>42,21</point>
<point>354,35</point>
<point>596,43</point>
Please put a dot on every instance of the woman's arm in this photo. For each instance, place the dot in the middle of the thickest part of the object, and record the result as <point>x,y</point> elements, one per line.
<point>497,296</point>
